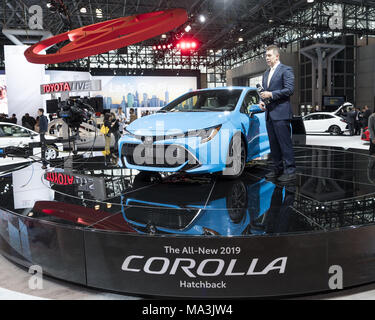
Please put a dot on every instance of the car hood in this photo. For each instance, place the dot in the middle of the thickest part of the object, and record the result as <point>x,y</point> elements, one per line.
<point>177,122</point>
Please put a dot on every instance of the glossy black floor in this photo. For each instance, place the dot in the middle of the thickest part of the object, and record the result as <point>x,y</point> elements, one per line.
<point>335,188</point>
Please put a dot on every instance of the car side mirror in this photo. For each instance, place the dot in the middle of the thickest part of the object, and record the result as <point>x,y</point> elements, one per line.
<point>254,109</point>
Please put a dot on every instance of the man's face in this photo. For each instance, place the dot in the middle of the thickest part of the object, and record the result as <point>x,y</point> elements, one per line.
<point>271,58</point>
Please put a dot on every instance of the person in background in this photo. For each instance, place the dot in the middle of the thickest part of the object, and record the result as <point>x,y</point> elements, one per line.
<point>115,129</point>
<point>350,119</point>
<point>36,125</point>
<point>43,128</point>
<point>107,136</point>
<point>133,116</point>
<point>13,119</point>
<point>357,121</point>
<point>366,113</point>
<point>371,128</point>
<point>121,119</point>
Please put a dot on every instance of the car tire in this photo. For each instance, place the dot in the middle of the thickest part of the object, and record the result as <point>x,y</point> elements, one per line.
<point>236,159</point>
<point>52,152</point>
<point>334,130</point>
<point>236,201</point>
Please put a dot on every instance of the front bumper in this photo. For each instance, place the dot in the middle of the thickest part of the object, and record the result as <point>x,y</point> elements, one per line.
<point>175,155</point>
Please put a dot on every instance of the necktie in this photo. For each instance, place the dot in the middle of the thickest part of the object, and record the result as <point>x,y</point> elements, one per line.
<point>270,76</point>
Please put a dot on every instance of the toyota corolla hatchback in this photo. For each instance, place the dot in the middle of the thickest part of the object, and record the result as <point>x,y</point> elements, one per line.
<point>203,131</point>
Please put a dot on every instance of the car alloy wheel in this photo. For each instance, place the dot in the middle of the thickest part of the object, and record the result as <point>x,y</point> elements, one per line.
<point>51,153</point>
<point>335,130</point>
<point>236,158</point>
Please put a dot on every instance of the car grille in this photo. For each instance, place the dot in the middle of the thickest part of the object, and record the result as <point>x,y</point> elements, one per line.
<point>159,156</point>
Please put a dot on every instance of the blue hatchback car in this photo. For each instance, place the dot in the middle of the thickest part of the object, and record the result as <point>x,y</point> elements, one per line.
<point>203,131</point>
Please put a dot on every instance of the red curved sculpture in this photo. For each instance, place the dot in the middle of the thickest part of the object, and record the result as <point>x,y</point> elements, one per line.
<point>108,35</point>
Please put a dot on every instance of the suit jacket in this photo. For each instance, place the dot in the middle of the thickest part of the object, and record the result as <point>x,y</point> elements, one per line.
<point>282,87</point>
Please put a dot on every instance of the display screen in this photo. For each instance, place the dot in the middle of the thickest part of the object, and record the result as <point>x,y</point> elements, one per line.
<point>142,92</point>
<point>332,101</point>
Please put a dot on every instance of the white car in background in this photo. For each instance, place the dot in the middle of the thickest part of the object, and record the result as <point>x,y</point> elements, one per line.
<point>13,135</point>
<point>320,122</point>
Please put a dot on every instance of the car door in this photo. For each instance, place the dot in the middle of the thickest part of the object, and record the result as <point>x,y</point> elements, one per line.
<point>13,135</point>
<point>310,123</point>
<point>254,126</point>
<point>316,123</point>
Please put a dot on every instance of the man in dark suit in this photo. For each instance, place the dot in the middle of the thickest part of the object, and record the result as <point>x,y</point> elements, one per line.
<point>278,82</point>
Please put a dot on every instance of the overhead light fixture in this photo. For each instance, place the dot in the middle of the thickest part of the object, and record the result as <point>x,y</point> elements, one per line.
<point>241,29</point>
<point>310,1</point>
<point>202,18</point>
<point>163,36</point>
<point>99,13</point>
<point>188,28</point>
<point>83,10</point>
<point>240,39</point>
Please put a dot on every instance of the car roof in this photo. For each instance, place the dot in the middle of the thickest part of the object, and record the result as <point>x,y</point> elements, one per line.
<point>229,88</point>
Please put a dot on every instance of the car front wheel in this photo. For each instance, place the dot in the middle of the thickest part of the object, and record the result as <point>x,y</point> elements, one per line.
<point>236,158</point>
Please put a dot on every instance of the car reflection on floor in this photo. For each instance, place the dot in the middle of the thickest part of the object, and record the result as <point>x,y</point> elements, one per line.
<point>211,207</point>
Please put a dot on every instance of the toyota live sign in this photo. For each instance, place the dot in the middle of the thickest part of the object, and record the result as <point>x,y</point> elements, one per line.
<point>71,86</point>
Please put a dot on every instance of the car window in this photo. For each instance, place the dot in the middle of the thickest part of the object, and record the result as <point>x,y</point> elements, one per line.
<point>14,131</point>
<point>251,98</point>
<point>314,117</point>
<point>328,116</point>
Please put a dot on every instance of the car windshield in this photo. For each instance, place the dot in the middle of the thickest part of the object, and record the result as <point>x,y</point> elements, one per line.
<point>205,101</point>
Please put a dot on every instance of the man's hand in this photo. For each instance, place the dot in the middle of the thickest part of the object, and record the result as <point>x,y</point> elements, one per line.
<point>266,95</point>
<point>262,105</point>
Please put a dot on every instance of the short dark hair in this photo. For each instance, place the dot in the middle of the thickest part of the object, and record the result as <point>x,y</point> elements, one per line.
<point>41,110</point>
<point>275,49</point>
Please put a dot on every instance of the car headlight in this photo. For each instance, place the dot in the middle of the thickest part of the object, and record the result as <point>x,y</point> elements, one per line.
<point>205,134</point>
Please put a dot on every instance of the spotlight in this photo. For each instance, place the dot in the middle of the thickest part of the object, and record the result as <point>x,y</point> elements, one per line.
<point>240,39</point>
<point>188,28</point>
<point>83,10</point>
<point>163,36</point>
<point>310,1</point>
<point>99,13</point>
<point>202,18</point>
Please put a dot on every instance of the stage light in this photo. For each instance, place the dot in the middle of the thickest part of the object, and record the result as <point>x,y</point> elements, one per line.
<point>240,39</point>
<point>310,1</point>
<point>183,45</point>
<point>202,18</point>
<point>99,13</point>
<point>154,48</point>
<point>188,28</point>
<point>193,45</point>
<point>83,10</point>
<point>159,46</point>
<point>164,46</point>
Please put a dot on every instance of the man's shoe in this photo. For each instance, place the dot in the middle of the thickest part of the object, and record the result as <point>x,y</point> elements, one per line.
<point>287,177</point>
<point>273,175</point>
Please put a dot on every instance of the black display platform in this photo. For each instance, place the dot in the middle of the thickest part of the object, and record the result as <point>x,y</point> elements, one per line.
<point>195,236</point>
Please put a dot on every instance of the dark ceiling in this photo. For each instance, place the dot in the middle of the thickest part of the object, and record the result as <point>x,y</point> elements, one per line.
<point>226,20</point>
